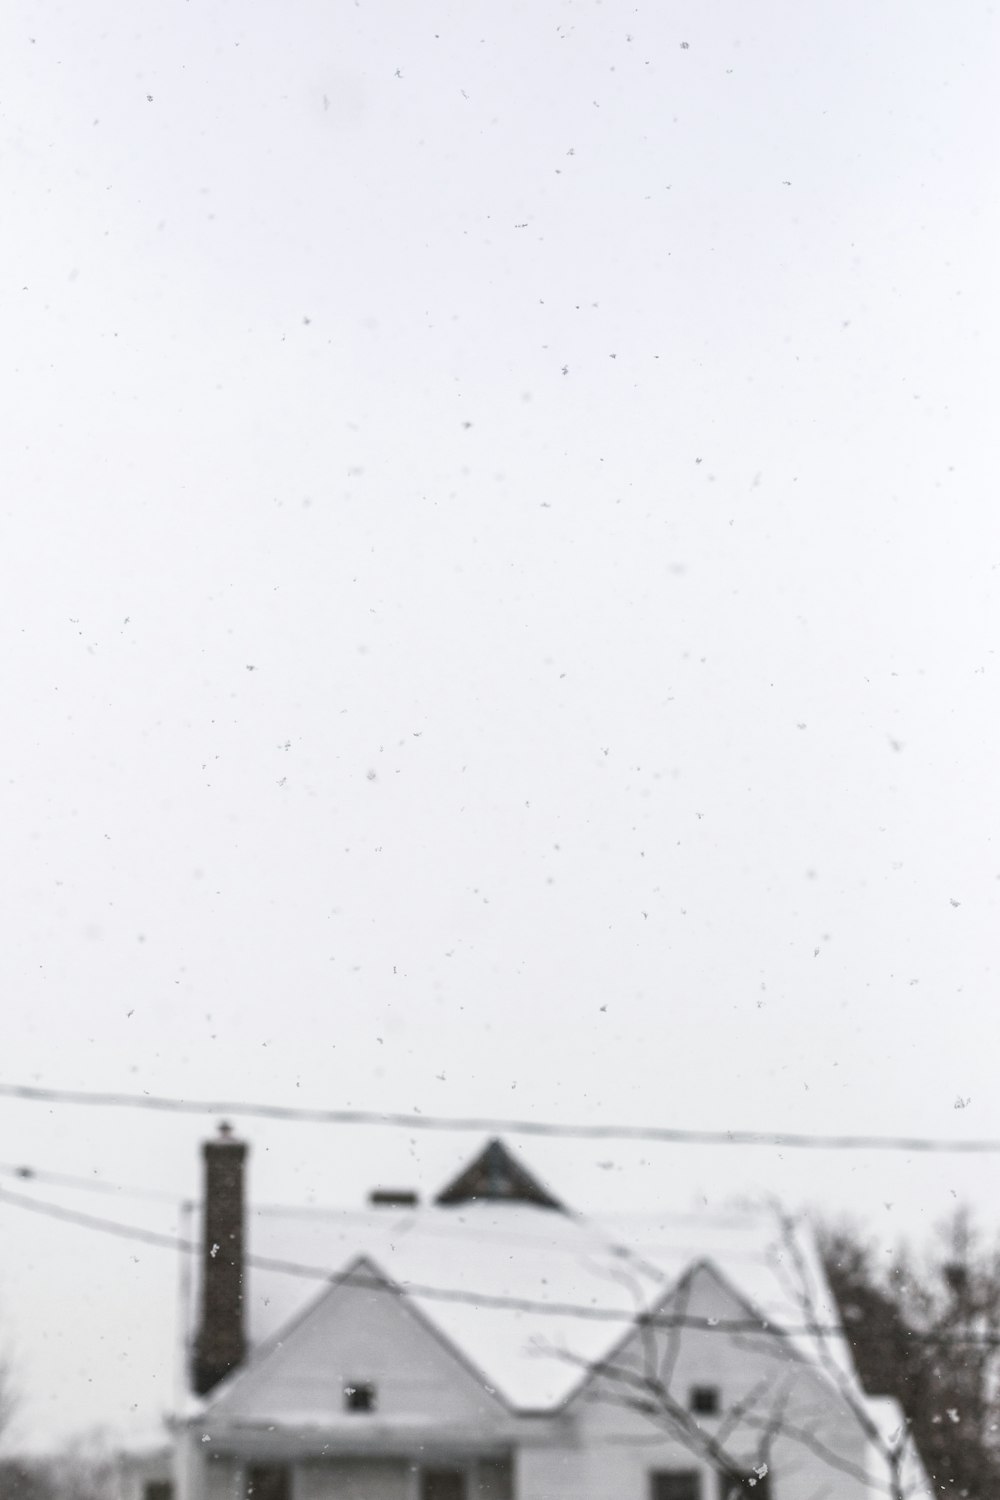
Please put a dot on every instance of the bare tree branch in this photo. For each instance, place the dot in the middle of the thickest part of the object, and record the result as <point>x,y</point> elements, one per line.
<point>640,1376</point>
<point>668,1363</point>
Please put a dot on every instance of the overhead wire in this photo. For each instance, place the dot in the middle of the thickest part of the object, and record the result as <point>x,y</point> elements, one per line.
<point>93,1184</point>
<point>492,1300</point>
<point>490,1124</point>
<point>339,1215</point>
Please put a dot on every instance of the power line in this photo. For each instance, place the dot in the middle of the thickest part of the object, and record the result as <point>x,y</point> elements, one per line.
<point>493,1300</point>
<point>135,1232</point>
<point>25,1173</point>
<point>488,1124</point>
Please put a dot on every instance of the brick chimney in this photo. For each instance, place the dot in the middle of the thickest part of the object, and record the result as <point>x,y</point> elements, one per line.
<point>220,1344</point>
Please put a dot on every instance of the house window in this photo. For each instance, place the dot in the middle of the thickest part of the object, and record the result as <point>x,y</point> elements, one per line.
<point>443,1484</point>
<point>494,1479</point>
<point>158,1489</point>
<point>705,1400</point>
<point>676,1484</point>
<point>359,1395</point>
<point>269,1482</point>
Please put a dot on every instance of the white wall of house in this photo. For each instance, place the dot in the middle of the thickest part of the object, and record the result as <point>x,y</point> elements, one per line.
<point>354,1333</point>
<point>136,1471</point>
<point>353,1479</point>
<point>432,1408</point>
<point>388,1479</point>
<point>614,1448</point>
<point>225,1479</point>
<point>358,1478</point>
<point>288,1405</point>
<point>201,1475</point>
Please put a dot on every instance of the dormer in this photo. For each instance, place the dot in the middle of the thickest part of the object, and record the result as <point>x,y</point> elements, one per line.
<point>496,1176</point>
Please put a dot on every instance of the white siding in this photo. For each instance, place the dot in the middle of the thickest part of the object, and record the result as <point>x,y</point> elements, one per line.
<point>135,1471</point>
<point>430,1402</point>
<point>353,1479</point>
<point>223,1479</point>
<point>357,1334</point>
<point>381,1479</point>
<point>619,1447</point>
<point>201,1475</point>
<point>586,1472</point>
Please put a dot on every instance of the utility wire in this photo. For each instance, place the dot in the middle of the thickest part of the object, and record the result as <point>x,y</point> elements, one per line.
<point>480,1124</point>
<point>493,1300</point>
<point>25,1173</point>
<point>313,1213</point>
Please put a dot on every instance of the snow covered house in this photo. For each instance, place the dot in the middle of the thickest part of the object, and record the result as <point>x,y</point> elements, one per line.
<point>497,1345</point>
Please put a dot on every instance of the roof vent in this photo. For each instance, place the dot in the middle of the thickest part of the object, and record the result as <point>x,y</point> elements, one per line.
<point>393,1198</point>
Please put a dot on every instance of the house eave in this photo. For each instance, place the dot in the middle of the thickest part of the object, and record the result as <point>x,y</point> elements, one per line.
<point>308,1437</point>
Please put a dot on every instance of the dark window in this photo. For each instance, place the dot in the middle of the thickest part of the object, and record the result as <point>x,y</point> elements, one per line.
<point>676,1484</point>
<point>269,1482</point>
<point>443,1484</point>
<point>705,1400</point>
<point>494,1478</point>
<point>158,1489</point>
<point>359,1395</point>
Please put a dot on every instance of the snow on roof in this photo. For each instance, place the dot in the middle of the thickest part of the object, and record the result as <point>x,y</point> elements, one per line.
<point>774,1265</point>
<point>562,1265</point>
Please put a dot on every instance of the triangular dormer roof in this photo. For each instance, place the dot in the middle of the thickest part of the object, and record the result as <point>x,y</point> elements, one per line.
<point>496,1176</point>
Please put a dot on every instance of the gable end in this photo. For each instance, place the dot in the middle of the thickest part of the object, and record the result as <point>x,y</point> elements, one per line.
<point>496,1176</point>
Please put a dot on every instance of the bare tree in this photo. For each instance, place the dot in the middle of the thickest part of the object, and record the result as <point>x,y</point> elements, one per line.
<point>802,1394</point>
<point>896,1449</point>
<point>926,1330</point>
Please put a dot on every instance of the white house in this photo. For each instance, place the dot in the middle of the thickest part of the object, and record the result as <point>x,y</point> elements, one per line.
<point>497,1345</point>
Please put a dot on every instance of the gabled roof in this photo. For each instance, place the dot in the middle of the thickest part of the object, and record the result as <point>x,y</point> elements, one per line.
<point>364,1276</point>
<point>523,1294</point>
<point>755,1324</point>
<point>496,1176</point>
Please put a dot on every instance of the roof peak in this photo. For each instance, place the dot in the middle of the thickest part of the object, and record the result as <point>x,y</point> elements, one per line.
<point>496,1176</point>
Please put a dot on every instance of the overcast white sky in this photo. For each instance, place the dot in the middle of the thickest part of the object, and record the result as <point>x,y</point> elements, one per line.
<point>500,561</point>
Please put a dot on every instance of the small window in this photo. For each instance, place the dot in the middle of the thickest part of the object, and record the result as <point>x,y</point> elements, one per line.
<point>494,1479</point>
<point>705,1400</point>
<point>269,1482</point>
<point>676,1484</point>
<point>158,1489</point>
<point>359,1395</point>
<point>443,1484</point>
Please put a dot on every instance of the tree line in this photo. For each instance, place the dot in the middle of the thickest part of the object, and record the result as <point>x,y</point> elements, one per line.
<point>925,1329</point>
